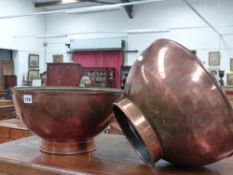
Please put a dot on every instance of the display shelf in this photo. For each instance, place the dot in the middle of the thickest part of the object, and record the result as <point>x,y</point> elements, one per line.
<point>9,81</point>
<point>101,77</point>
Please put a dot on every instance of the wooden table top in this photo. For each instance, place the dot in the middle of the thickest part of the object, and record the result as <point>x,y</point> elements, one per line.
<point>113,156</point>
<point>13,123</point>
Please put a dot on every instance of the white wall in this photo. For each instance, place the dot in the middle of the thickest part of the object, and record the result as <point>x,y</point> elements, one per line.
<point>169,14</point>
<point>161,15</point>
<point>9,28</point>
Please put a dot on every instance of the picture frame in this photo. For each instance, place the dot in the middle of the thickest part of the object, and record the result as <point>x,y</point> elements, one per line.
<point>231,64</point>
<point>230,79</point>
<point>33,74</point>
<point>58,58</point>
<point>214,58</point>
<point>214,71</point>
<point>33,61</point>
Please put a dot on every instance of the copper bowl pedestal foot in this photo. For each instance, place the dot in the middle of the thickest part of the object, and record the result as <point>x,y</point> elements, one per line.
<point>67,148</point>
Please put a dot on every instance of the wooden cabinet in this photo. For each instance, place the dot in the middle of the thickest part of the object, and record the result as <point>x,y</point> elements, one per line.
<point>124,74</point>
<point>63,74</point>
<point>7,109</point>
<point>229,93</point>
<point>101,77</point>
<point>13,129</point>
<point>6,68</point>
<point>9,81</point>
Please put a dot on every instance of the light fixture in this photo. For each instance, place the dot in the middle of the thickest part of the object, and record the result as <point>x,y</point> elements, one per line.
<point>69,1</point>
<point>108,7</point>
<point>42,36</point>
<point>51,36</point>
<point>138,31</point>
<point>92,9</point>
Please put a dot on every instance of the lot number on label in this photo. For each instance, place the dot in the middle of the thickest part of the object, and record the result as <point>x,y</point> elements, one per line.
<point>27,99</point>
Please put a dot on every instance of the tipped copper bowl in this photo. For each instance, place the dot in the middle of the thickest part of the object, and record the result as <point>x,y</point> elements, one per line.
<point>174,109</point>
<point>66,118</point>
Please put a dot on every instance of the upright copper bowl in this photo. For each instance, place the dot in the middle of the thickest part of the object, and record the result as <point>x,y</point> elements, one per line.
<point>66,118</point>
<point>174,109</point>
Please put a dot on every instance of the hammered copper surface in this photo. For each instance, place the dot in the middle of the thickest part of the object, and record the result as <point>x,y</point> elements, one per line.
<point>174,109</point>
<point>66,118</point>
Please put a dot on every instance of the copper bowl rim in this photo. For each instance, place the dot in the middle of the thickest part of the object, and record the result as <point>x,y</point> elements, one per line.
<point>68,89</point>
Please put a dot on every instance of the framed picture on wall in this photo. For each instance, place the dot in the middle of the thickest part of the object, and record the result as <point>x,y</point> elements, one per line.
<point>230,79</point>
<point>214,58</point>
<point>33,74</point>
<point>231,64</point>
<point>33,61</point>
<point>57,58</point>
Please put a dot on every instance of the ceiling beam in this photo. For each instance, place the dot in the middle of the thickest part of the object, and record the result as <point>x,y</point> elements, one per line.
<point>60,2</point>
<point>53,3</point>
<point>128,9</point>
<point>202,17</point>
<point>97,1</point>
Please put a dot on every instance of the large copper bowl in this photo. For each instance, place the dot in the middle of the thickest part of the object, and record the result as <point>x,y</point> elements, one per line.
<point>174,109</point>
<point>66,118</point>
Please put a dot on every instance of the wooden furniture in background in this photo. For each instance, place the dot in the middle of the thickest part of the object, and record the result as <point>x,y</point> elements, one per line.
<point>7,109</point>
<point>6,68</point>
<point>2,93</point>
<point>124,74</point>
<point>63,74</point>
<point>101,77</point>
<point>13,129</point>
<point>10,81</point>
<point>229,93</point>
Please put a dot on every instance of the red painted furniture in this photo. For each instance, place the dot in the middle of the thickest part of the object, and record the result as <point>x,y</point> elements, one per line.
<point>63,74</point>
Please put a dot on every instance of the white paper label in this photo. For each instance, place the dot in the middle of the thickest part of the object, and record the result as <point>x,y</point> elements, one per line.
<point>27,99</point>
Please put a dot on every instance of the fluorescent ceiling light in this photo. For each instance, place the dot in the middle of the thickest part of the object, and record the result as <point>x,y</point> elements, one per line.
<point>42,36</point>
<point>69,1</point>
<point>92,9</point>
<point>51,36</point>
<point>138,31</point>
<point>108,7</point>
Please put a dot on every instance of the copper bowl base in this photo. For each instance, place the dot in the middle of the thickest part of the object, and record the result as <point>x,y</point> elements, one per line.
<point>67,148</point>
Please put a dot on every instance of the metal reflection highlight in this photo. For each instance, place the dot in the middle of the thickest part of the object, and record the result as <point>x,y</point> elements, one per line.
<point>144,75</point>
<point>140,58</point>
<point>139,121</point>
<point>197,74</point>
<point>161,59</point>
